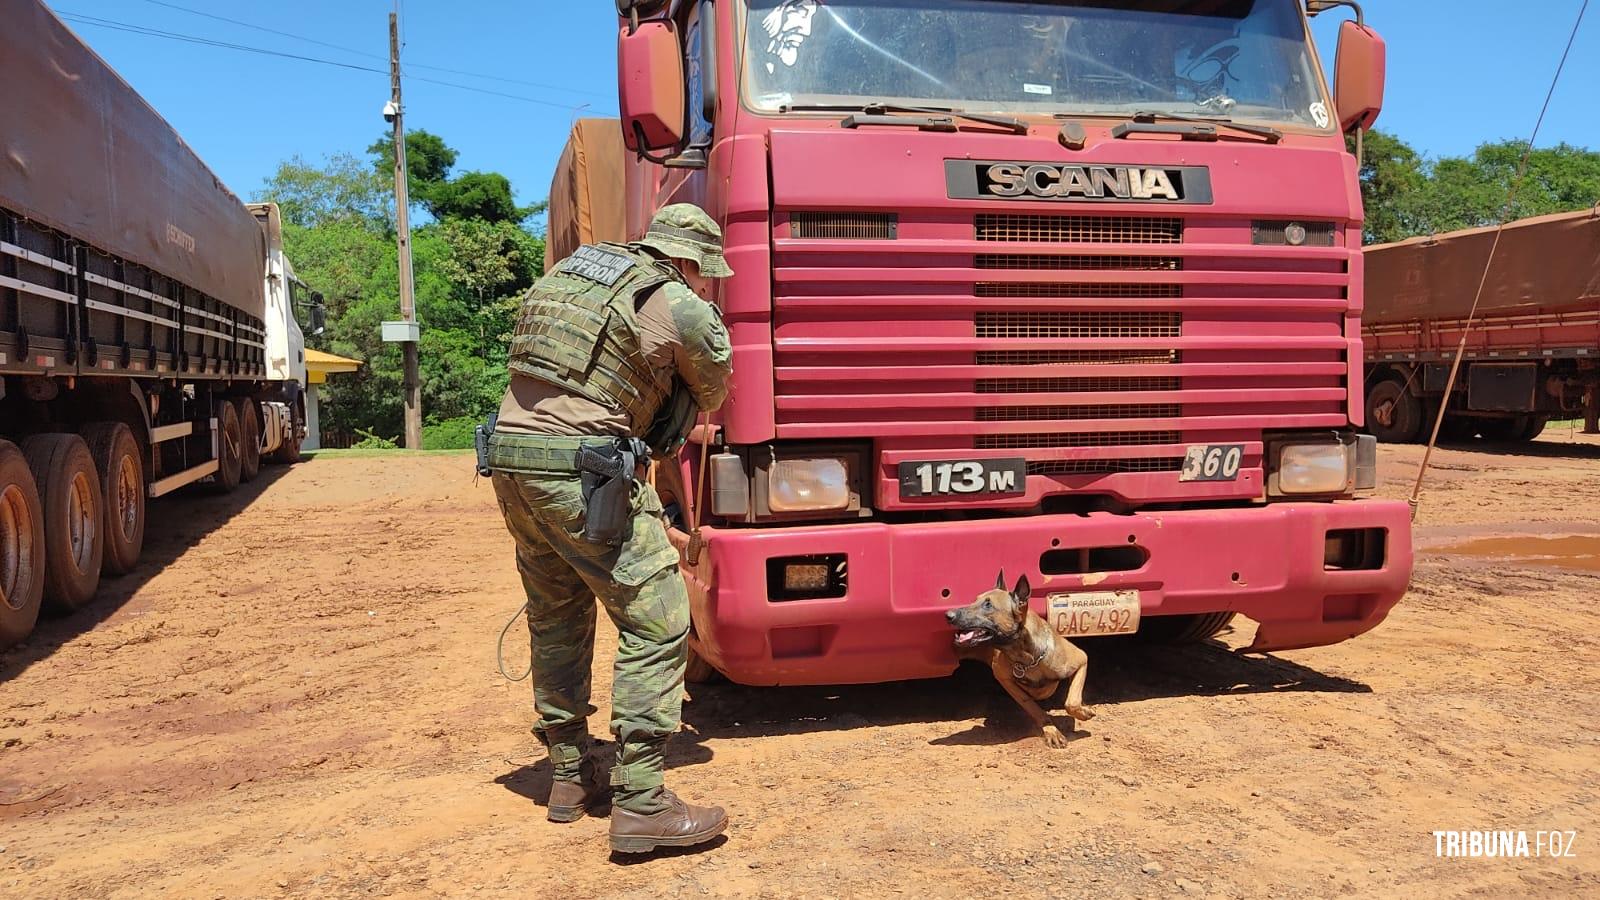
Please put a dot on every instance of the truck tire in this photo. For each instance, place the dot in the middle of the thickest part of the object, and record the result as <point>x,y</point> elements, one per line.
<point>1534,428</point>
<point>289,453</point>
<point>698,671</point>
<point>74,522</point>
<point>1190,628</point>
<point>250,437</point>
<point>230,442</point>
<point>1394,416</point>
<point>21,547</point>
<point>122,485</point>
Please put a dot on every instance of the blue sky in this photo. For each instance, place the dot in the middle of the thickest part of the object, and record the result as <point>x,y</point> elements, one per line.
<point>1459,74</point>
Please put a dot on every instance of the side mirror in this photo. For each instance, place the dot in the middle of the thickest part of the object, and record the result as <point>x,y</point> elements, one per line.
<point>650,87</point>
<point>1358,76</point>
<point>319,315</point>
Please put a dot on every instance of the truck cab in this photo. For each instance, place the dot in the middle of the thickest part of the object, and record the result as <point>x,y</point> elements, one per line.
<point>1068,289</point>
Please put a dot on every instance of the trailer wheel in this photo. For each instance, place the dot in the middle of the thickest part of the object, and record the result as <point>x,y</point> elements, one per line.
<point>1394,416</point>
<point>229,447</point>
<point>21,547</point>
<point>117,458</point>
<point>74,525</point>
<point>250,437</point>
<point>1190,628</point>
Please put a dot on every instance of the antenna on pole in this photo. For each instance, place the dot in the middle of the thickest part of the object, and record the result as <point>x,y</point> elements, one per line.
<point>405,332</point>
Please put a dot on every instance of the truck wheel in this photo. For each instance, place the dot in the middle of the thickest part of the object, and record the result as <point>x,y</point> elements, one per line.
<point>1394,416</point>
<point>117,459</point>
<point>250,437</point>
<point>1191,628</point>
<point>289,453</point>
<point>74,525</point>
<point>1534,428</point>
<point>21,547</point>
<point>229,447</point>
<point>698,671</point>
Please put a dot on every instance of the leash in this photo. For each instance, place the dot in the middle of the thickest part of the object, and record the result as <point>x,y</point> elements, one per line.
<point>500,648</point>
<point>691,554</point>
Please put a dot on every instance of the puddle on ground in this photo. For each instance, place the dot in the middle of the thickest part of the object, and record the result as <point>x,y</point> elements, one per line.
<point>1578,551</point>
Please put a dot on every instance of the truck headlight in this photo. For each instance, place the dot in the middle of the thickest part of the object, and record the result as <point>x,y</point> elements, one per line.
<point>1314,468</point>
<point>808,485</point>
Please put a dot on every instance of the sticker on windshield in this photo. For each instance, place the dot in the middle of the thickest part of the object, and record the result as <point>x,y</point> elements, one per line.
<point>1319,114</point>
<point>1044,90</point>
<point>787,26</point>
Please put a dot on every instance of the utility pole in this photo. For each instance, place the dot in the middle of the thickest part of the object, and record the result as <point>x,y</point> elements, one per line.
<point>406,331</point>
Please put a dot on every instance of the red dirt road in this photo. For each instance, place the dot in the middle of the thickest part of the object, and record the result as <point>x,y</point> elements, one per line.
<point>297,695</point>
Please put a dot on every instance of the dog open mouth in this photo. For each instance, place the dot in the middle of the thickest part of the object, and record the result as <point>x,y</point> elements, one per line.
<point>971,637</point>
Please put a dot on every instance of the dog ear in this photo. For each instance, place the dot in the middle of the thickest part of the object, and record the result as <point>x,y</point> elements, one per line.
<point>1000,582</point>
<point>1022,592</point>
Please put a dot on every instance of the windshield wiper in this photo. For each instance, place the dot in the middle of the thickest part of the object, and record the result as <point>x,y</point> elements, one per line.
<point>935,118</point>
<point>1190,127</point>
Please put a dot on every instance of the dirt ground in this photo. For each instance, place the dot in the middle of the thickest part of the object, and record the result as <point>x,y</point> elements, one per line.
<point>297,695</point>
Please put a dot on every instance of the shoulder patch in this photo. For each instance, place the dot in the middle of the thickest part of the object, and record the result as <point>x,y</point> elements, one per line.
<point>596,264</point>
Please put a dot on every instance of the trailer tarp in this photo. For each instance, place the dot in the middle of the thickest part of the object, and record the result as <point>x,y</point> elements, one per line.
<point>587,192</point>
<point>83,153</point>
<point>1543,264</point>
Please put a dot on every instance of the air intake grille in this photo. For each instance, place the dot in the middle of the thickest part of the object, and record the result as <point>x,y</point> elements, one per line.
<point>1078,229</point>
<point>1104,466</point>
<point>1077,263</point>
<point>1018,325</point>
<point>1083,439</point>
<point>1052,289</point>
<point>854,226</point>
<point>1075,385</point>
<point>1079,413</point>
<point>1075,357</point>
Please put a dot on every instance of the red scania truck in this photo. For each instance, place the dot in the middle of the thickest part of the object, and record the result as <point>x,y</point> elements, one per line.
<point>1069,289</point>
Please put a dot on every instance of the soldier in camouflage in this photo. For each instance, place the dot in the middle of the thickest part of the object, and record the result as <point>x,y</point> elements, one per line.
<point>601,342</point>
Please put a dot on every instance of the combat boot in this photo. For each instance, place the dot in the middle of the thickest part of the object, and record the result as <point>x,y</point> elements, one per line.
<point>572,800</point>
<point>679,825</point>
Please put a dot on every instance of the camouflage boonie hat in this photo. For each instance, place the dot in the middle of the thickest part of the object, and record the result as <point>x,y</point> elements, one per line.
<point>684,231</point>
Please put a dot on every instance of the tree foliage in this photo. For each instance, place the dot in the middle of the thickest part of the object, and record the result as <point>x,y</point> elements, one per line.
<point>470,270</point>
<point>1407,194</point>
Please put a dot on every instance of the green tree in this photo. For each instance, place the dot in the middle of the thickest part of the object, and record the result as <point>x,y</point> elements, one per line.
<point>478,195</point>
<point>428,162</point>
<point>471,266</point>
<point>1407,195</point>
<point>343,188</point>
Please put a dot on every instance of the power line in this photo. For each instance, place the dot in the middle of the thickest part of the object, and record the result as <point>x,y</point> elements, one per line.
<point>130,28</point>
<point>370,55</point>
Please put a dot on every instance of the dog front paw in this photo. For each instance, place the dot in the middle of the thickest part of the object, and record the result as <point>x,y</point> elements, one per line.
<point>1054,738</point>
<point>1081,713</point>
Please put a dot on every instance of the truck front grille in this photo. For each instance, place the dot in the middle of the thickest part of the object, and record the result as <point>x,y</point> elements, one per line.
<point>1048,229</point>
<point>1025,334</point>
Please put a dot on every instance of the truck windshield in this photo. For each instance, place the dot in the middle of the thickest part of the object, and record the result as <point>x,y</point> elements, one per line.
<point>1242,59</point>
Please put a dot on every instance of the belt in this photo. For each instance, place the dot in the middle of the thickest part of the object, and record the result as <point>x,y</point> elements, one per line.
<point>538,453</point>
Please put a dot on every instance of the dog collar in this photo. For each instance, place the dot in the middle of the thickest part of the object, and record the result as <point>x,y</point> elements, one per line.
<point>1020,672</point>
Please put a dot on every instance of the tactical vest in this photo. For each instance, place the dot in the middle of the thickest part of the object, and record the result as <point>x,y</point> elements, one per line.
<point>578,329</point>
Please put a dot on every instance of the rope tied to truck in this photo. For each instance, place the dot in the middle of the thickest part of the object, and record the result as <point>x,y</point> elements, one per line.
<point>1415,500</point>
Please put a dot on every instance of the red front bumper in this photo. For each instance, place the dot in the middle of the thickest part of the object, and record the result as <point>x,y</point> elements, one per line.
<point>1265,562</point>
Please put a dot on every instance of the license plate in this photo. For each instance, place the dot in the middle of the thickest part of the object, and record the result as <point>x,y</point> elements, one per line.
<point>963,477</point>
<point>1212,462</point>
<point>1090,613</point>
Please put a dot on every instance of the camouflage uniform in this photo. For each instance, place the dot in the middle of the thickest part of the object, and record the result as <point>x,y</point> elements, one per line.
<point>585,368</point>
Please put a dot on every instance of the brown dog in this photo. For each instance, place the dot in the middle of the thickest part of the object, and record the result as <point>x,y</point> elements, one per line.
<point>1029,659</point>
